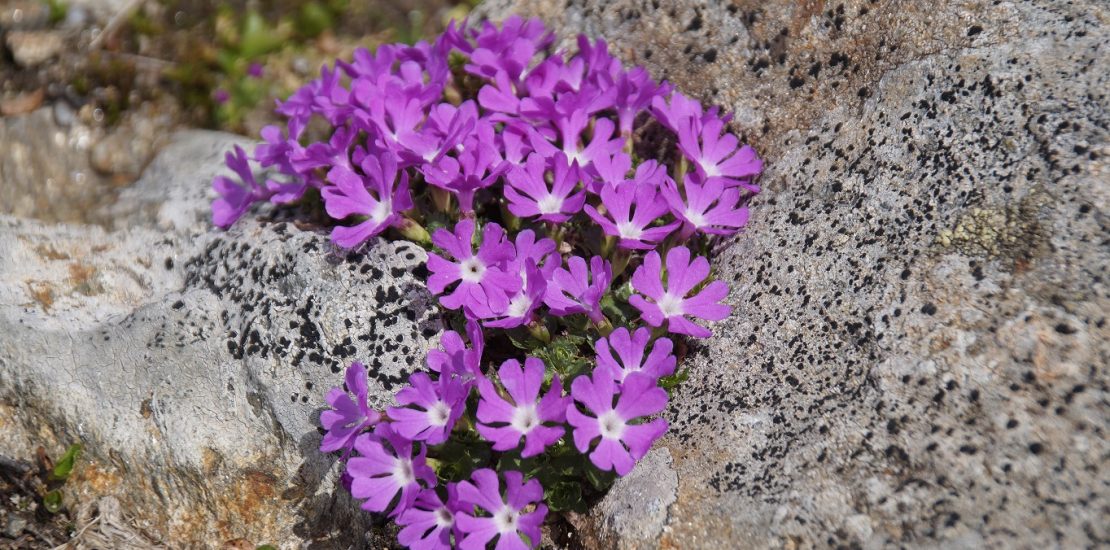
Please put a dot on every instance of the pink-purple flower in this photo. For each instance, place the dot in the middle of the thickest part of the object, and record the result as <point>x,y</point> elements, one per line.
<point>631,212</point>
<point>236,198</point>
<point>349,415</point>
<point>676,302</point>
<point>613,416</point>
<point>530,195</point>
<point>500,516</point>
<point>578,289</point>
<point>709,207</point>
<point>429,409</point>
<point>429,524</point>
<point>524,414</point>
<point>630,357</point>
<point>385,472</point>
<point>376,196</point>
<point>455,359</point>
<point>483,281</point>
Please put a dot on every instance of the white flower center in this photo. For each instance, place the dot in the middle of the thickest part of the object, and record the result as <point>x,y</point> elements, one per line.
<point>671,306</point>
<point>525,418</point>
<point>611,425</point>
<point>550,204</point>
<point>574,155</point>
<point>438,413</point>
<point>381,211</point>
<point>471,270</point>
<point>444,518</point>
<point>696,218</point>
<point>402,472</point>
<point>355,423</point>
<point>505,520</point>
<point>711,169</point>
<point>519,305</point>
<point>629,230</point>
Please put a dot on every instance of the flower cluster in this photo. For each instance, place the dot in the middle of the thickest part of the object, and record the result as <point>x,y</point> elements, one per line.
<point>551,238</point>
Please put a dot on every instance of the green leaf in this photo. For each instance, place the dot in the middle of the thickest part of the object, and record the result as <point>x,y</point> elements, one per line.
<point>52,501</point>
<point>314,19</point>
<point>258,37</point>
<point>673,381</point>
<point>564,356</point>
<point>566,495</point>
<point>601,481</point>
<point>265,547</point>
<point>64,465</point>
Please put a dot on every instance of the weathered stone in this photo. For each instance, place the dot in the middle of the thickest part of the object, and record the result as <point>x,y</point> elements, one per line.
<point>193,363</point>
<point>33,48</point>
<point>917,354</point>
<point>23,15</point>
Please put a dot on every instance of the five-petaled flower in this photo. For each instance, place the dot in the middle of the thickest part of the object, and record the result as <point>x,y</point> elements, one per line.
<point>524,414</point>
<point>348,417</point>
<point>630,348</point>
<point>386,472</point>
<point>621,442</point>
<point>674,304</point>
<point>504,517</point>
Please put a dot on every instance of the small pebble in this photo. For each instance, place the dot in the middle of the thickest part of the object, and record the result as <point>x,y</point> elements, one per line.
<point>33,48</point>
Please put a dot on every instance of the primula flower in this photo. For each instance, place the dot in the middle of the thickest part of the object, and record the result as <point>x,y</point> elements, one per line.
<point>578,290</point>
<point>631,209</point>
<point>506,518</point>
<point>630,348</point>
<point>455,359</point>
<point>351,194</point>
<point>526,415</point>
<point>429,409</point>
<point>709,207</point>
<point>716,156</point>
<point>348,416</point>
<point>385,468</point>
<point>235,199</point>
<point>478,166</point>
<point>622,443</point>
<point>529,194</point>
<point>483,281</point>
<point>521,306</point>
<point>430,522</point>
<point>672,305</point>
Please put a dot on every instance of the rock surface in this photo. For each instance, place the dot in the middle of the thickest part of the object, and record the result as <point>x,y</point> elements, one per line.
<point>193,363</point>
<point>918,350</point>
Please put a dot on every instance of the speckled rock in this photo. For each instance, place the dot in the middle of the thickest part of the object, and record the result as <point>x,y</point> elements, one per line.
<point>918,349</point>
<point>192,363</point>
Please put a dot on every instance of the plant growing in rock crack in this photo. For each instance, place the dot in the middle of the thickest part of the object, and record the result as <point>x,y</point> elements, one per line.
<point>569,266</point>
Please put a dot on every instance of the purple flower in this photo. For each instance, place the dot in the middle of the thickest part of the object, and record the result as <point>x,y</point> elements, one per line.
<point>622,442</point>
<point>235,199</point>
<point>455,359</point>
<point>429,409</point>
<point>504,422</point>
<point>578,290</point>
<point>478,166</point>
<point>483,281</point>
<point>672,305</point>
<point>351,194</point>
<point>569,129</point>
<point>521,306</point>
<point>529,194</point>
<point>716,156</point>
<point>430,522</point>
<point>630,350</point>
<point>631,209</point>
<point>505,517</point>
<point>709,207</point>
<point>255,70</point>
<point>385,468</point>
<point>348,417</point>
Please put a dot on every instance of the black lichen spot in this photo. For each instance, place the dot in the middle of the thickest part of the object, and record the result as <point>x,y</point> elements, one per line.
<point>796,82</point>
<point>710,55</point>
<point>1064,328</point>
<point>928,309</point>
<point>1036,448</point>
<point>974,30</point>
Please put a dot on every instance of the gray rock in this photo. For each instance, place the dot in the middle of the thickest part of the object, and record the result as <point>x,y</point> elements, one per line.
<point>33,48</point>
<point>192,363</point>
<point>917,354</point>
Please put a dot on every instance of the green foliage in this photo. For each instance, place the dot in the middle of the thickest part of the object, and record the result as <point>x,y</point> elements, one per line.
<point>64,466</point>
<point>52,501</point>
